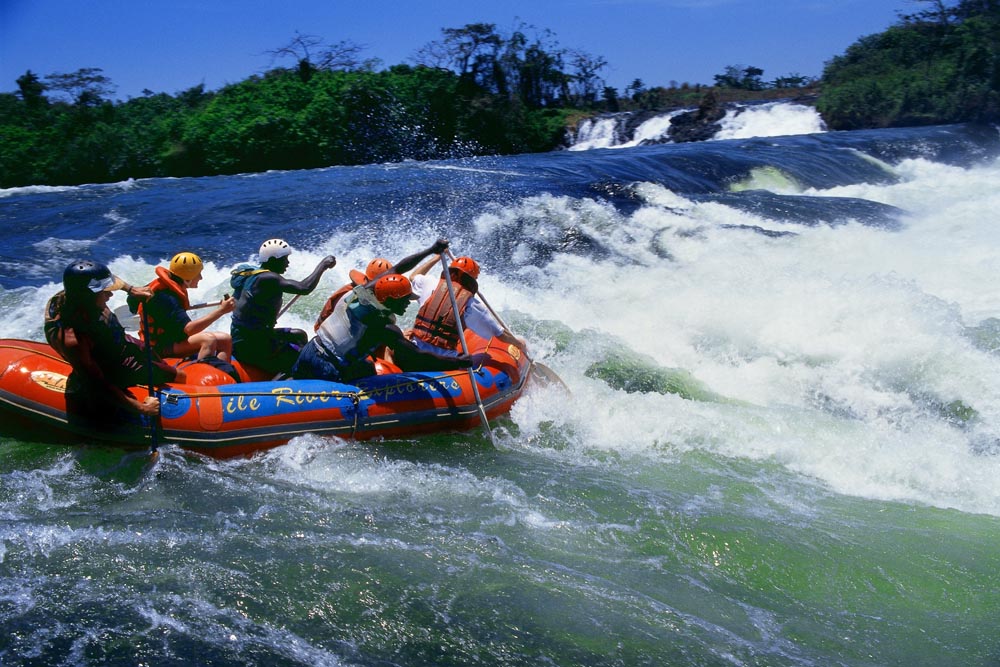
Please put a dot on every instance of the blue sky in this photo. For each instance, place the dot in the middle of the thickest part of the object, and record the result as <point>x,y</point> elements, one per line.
<point>172,45</point>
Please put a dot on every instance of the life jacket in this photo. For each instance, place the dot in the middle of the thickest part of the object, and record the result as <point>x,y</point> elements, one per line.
<point>331,303</point>
<point>435,322</point>
<point>242,277</point>
<point>158,330</point>
<point>121,357</point>
<point>342,336</point>
<point>55,330</point>
<point>248,314</point>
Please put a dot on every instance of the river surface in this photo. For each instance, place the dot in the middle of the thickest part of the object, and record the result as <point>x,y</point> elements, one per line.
<point>780,444</point>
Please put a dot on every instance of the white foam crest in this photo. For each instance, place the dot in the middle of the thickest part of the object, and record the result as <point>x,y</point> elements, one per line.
<point>54,246</point>
<point>127,184</point>
<point>849,342</point>
<point>38,485</point>
<point>596,133</point>
<point>353,470</point>
<point>36,189</point>
<point>770,120</point>
<point>951,248</point>
<point>24,310</point>
<point>43,540</point>
<point>654,129</point>
<point>232,631</point>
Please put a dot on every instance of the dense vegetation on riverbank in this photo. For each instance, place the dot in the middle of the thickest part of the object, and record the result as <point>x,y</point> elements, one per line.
<point>273,121</point>
<point>937,66</point>
<point>474,92</point>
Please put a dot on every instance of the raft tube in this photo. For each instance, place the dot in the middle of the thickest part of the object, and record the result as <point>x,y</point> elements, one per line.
<point>213,414</point>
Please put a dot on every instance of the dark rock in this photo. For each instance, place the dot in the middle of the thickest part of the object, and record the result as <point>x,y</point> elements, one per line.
<point>700,124</point>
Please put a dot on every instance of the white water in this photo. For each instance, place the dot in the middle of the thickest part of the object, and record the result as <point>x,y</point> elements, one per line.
<point>596,133</point>
<point>838,347</point>
<point>841,345</point>
<point>771,120</point>
<point>765,120</point>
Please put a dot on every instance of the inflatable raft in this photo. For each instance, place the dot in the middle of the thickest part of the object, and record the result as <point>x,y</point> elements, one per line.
<point>213,414</point>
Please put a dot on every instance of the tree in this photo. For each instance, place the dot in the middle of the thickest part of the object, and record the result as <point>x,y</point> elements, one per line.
<point>937,66</point>
<point>635,89</point>
<point>938,13</point>
<point>525,68</point>
<point>610,96</point>
<point>86,86</point>
<point>31,88</point>
<point>586,75</point>
<point>793,80</point>
<point>473,48</point>
<point>751,78</point>
<point>311,54</point>
<point>740,77</point>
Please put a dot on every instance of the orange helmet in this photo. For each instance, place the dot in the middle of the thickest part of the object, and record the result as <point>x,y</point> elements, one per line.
<point>466,265</point>
<point>376,267</point>
<point>393,286</point>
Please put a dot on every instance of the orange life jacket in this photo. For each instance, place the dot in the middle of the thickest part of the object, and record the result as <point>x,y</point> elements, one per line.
<point>435,322</point>
<point>164,281</point>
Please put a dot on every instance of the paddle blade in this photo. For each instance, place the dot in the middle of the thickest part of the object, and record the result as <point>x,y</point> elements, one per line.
<point>127,318</point>
<point>546,376</point>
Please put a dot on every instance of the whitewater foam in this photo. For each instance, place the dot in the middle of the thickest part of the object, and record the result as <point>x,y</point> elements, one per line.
<point>844,353</point>
<point>770,119</point>
<point>848,344</point>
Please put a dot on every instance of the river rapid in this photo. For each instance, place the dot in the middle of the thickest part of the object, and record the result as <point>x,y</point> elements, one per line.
<point>780,443</point>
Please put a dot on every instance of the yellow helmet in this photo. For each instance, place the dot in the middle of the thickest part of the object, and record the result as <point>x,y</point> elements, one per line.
<point>186,265</point>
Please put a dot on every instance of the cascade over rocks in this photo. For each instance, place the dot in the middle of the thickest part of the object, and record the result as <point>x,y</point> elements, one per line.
<point>698,125</point>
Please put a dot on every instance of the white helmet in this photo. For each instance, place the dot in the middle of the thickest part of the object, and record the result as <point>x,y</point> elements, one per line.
<point>273,248</point>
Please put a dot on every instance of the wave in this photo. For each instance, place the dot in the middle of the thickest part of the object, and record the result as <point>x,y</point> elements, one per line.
<point>36,189</point>
<point>50,189</point>
<point>813,301</point>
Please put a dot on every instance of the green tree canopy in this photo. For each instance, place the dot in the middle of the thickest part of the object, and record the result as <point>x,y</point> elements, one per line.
<point>939,65</point>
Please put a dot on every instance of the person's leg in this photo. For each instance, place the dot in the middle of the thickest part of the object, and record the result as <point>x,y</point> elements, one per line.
<point>312,365</point>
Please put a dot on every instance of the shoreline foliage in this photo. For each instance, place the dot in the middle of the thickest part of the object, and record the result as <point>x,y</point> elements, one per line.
<point>937,66</point>
<point>473,92</point>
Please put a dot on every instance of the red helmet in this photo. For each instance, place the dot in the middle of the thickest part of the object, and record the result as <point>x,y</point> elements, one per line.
<point>466,265</point>
<point>393,286</point>
<point>375,268</point>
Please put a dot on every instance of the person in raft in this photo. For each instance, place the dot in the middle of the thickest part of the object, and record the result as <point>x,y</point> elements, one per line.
<point>376,268</point>
<point>360,323</point>
<point>168,327</point>
<point>434,328</point>
<point>105,360</point>
<point>258,291</point>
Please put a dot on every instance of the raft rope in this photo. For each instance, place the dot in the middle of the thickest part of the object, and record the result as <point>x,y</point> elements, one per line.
<point>356,396</point>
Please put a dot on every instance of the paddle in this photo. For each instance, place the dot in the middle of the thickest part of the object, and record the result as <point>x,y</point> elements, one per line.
<point>130,320</point>
<point>288,305</point>
<point>149,381</point>
<point>465,349</point>
<point>540,371</point>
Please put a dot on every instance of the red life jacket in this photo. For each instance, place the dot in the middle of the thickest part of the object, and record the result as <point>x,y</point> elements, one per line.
<point>164,281</point>
<point>435,322</point>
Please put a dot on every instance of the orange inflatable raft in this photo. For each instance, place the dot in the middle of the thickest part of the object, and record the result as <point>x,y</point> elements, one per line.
<point>214,415</point>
